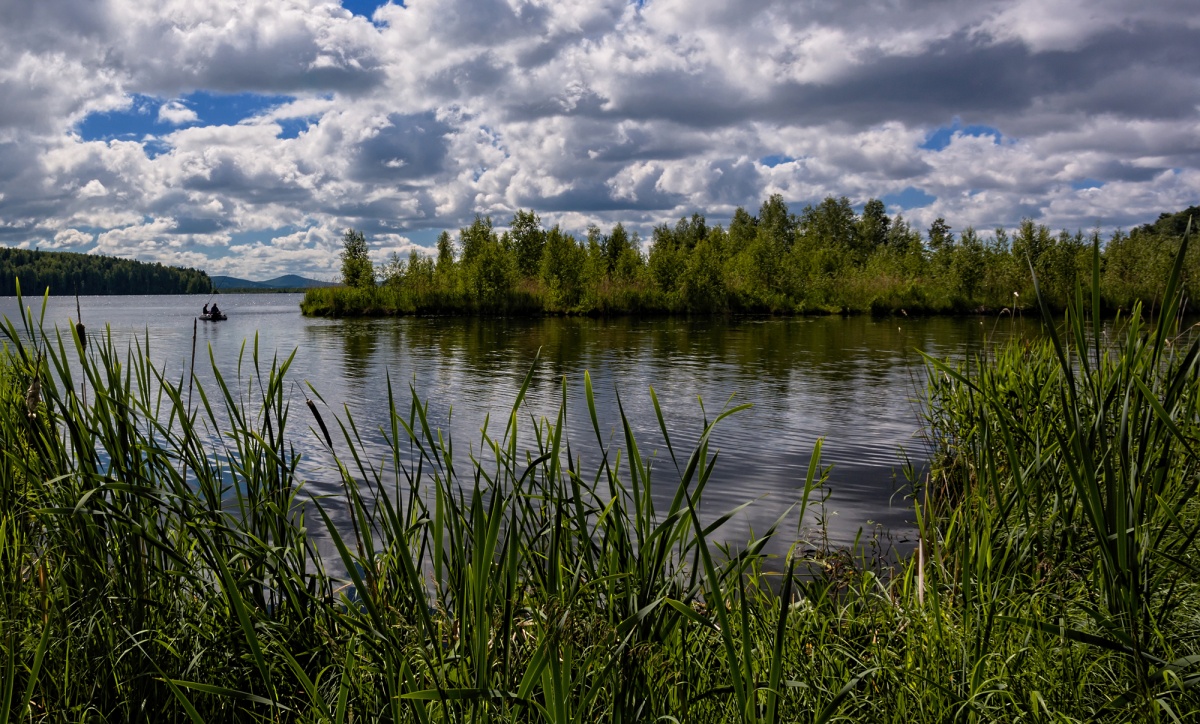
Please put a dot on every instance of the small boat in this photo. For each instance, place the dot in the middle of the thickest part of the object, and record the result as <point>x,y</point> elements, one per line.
<point>213,317</point>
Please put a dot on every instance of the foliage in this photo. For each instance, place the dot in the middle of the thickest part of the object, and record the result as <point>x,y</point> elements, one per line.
<point>158,559</point>
<point>562,267</point>
<point>827,258</point>
<point>528,240</point>
<point>357,271</point>
<point>1072,471</point>
<point>703,280</point>
<point>68,273</point>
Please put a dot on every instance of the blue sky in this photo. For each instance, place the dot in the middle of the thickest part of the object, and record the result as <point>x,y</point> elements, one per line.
<point>147,118</point>
<point>365,8</point>
<point>942,136</point>
<point>244,136</point>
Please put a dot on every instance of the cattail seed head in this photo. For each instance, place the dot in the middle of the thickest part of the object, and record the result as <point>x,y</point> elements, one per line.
<point>324,430</point>
<point>33,396</point>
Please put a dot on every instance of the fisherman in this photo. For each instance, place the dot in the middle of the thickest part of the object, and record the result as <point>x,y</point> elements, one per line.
<point>213,311</point>
<point>206,310</point>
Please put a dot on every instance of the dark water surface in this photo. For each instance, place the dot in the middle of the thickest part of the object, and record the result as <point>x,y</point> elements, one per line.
<point>853,381</point>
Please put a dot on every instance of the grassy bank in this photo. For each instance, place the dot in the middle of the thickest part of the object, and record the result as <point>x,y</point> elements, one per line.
<point>154,570</point>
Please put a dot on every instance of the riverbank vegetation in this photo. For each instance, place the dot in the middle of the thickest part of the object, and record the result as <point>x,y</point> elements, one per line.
<point>826,259</point>
<point>67,273</point>
<point>153,569</point>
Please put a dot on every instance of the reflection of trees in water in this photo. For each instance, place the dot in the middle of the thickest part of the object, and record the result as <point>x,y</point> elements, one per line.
<point>360,340</point>
<point>826,354</point>
<point>850,380</point>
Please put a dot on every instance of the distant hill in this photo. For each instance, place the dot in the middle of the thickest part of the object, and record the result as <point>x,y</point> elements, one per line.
<point>220,282</point>
<point>67,273</point>
<point>293,281</point>
<point>285,282</point>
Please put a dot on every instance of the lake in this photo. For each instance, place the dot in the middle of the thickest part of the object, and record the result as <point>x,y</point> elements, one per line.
<point>853,381</point>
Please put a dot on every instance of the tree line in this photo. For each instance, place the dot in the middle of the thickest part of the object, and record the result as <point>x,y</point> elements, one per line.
<point>69,273</point>
<point>828,258</point>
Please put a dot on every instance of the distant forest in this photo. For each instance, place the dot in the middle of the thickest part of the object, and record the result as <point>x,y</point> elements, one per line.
<point>66,273</point>
<point>826,259</point>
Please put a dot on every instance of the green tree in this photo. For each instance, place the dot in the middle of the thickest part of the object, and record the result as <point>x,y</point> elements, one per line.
<point>704,278</point>
<point>594,279</point>
<point>528,239</point>
<point>1061,266</point>
<point>631,263</point>
<point>873,226</point>
<point>739,243</point>
<point>445,272</point>
<point>67,273</point>
<point>742,229</point>
<point>831,225</point>
<point>615,245</point>
<point>940,238</point>
<point>667,260</point>
<point>491,274</point>
<point>766,241</point>
<point>473,238</point>
<point>562,266</point>
<point>900,237</point>
<point>1029,248</point>
<point>776,224</point>
<point>968,264</point>
<point>392,272</point>
<point>690,232</point>
<point>357,270</point>
<point>825,251</point>
<point>1171,225</point>
<point>419,272</point>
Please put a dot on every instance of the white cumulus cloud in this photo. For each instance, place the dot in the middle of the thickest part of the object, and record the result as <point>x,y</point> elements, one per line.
<point>177,114</point>
<point>587,111</point>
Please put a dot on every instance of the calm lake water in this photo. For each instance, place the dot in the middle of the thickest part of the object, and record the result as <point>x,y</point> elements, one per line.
<point>852,381</point>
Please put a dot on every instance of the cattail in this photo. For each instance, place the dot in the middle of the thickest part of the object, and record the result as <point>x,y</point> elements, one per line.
<point>317,414</point>
<point>32,397</point>
<point>44,590</point>
<point>79,328</point>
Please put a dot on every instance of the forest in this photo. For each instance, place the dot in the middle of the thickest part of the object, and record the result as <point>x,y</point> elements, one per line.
<point>826,259</point>
<point>69,273</point>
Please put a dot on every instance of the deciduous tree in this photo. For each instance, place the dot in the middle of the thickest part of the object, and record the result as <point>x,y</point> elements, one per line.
<point>357,270</point>
<point>528,240</point>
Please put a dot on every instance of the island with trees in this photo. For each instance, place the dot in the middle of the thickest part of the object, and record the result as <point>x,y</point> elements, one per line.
<point>826,259</point>
<point>70,273</point>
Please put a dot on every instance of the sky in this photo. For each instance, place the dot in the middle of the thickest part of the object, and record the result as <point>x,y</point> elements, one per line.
<point>243,137</point>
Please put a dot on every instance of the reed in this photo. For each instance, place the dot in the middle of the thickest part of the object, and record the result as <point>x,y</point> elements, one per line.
<point>159,559</point>
<point>162,562</point>
<point>1073,476</point>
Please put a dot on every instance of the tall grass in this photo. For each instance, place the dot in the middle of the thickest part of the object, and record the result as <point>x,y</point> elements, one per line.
<point>1074,476</point>
<point>160,560</point>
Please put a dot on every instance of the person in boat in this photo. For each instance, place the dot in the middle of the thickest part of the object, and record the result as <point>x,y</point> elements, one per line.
<point>213,311</point>
<point>206,310</point>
